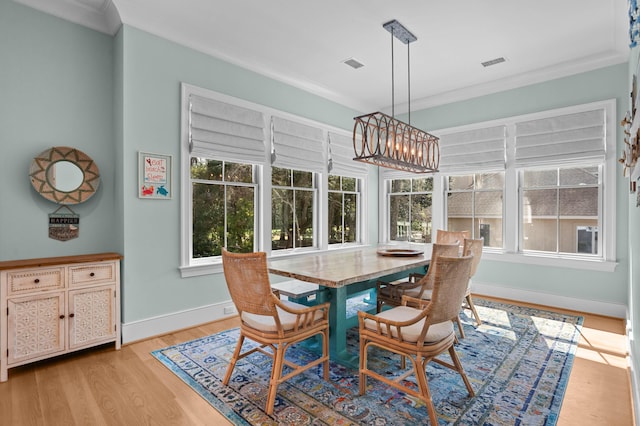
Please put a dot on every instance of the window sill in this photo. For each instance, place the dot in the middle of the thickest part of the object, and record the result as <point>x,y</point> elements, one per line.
<point>188,271</point>
<point>555,261</point>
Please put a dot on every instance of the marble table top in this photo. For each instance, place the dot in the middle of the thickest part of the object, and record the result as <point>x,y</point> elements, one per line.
<point>340,268</point>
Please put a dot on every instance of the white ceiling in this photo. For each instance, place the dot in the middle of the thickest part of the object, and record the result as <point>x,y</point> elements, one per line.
<point>303,43</point>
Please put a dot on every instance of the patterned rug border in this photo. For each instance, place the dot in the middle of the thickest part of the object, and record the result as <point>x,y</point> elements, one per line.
<point>554,407</point>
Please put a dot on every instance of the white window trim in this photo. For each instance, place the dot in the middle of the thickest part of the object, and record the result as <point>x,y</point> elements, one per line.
<point>190,267</point>
<point>607,263</point>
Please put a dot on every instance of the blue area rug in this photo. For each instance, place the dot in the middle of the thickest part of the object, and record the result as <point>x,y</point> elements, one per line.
<point>518,362</point>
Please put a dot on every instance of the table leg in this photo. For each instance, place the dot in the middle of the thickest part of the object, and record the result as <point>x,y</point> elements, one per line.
<point>338,321</point>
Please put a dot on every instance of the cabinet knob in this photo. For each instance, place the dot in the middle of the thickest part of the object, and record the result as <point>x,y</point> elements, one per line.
<point>37,280</point>
<point>93,274</point>
<point>72,315</point>
<point>62,316</point>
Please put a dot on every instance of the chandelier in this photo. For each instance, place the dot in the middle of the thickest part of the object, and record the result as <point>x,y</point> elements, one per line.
<point>383,140</point>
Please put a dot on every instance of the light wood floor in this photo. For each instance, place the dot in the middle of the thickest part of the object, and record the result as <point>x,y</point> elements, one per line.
<point>103,386</point>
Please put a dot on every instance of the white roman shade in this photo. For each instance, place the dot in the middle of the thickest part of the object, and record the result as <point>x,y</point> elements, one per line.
<point>297,146</point>
<point>386,173</point>
<point>473,150</point>
<point>341,157</point>
<point>561,139</point>
<point>226,132</point>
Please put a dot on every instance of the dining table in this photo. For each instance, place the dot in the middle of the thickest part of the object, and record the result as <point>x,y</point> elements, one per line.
<point>344,274</point>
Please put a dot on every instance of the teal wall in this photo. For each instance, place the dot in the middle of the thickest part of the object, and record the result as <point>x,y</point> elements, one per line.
<point>601,84</point>
<point>56,88</point>
<point>114,96</point>
<point>152,71</point>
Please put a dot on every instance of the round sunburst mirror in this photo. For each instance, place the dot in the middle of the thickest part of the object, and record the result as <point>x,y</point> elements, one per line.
<point>64,175</point>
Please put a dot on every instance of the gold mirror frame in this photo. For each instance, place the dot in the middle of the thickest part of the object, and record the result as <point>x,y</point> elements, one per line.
<point>39,173</point>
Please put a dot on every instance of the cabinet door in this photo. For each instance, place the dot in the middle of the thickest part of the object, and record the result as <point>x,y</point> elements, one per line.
<point>92,313</point>
<point>35,326</point>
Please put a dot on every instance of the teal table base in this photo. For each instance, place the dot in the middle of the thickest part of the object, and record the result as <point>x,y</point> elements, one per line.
<point>339,323</point>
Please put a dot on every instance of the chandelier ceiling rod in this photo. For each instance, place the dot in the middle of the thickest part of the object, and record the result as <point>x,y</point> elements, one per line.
<point>393,80</point>
<point>387,142</point>
<point>409,84</point>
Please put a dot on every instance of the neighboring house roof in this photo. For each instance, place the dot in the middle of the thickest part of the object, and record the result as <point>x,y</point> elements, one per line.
<point>574,202</point>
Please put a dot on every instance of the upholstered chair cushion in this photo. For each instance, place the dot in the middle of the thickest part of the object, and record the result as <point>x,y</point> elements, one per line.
<point>267,324</point>
<point>411,333</point>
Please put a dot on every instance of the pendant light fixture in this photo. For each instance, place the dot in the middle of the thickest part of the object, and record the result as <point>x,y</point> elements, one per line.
<point>383,140</point>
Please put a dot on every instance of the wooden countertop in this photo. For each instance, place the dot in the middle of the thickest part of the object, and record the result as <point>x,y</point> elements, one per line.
<point>60,260</point>
<point>340,268</point>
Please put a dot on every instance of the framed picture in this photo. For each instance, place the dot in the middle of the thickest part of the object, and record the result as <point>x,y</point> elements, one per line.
<point>154,176</point>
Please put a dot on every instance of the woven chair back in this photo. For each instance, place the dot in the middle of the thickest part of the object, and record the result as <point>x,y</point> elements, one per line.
<point>437,251</point>
<point>473,247</point>
<point>451,237</point>
<point>449,287</point>
<point>247,279</point>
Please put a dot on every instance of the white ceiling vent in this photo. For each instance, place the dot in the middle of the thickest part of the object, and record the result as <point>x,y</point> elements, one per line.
<point>353,63</point>
<point>493,62</point>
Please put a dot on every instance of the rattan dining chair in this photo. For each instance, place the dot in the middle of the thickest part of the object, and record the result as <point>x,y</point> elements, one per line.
<point>390,293</point>
<point>471,247</point>
<point>451,237</point>
<point>419,333</point>
<point>273,323</point>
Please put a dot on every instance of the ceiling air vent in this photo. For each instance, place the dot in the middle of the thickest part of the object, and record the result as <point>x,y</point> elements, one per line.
<point>353,63</point>
<point>493,62</point>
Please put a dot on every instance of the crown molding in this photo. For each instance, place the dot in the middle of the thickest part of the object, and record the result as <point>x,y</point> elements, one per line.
<point>99,15</point>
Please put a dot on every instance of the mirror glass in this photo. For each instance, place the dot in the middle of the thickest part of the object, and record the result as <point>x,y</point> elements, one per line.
<point>64,175</point>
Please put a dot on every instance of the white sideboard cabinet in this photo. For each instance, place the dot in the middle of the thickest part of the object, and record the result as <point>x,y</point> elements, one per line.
<point>52,306</point>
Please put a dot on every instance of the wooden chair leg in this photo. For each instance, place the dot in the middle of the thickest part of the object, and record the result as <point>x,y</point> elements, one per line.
<point>234,359</point>
<point>276,374</point>
<point>460,329</point>
<point>458,365</point>
<point>325,354</point>
<point>420,371</point>
<point>473,309</point>
<point>363,366</point>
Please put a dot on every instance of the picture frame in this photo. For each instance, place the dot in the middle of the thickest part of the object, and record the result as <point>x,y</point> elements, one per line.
<point>154,176</point>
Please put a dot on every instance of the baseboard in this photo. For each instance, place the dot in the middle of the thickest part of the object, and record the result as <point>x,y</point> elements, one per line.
<point>156,326</point>
<point>573,303</point>
<point>143,329</point>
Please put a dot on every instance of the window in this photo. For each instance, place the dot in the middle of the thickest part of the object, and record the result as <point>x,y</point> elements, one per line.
<point>224,203</point>
<point>410,202</point>
<point>538,188</point>
<point>344,209</point>
<point>293,209</point>
<point>561,159</point>
<point>256,178</point>
<point>559,204</point>
<point>474,202</point>
<point>224,153</point>
<point>473,163</point>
